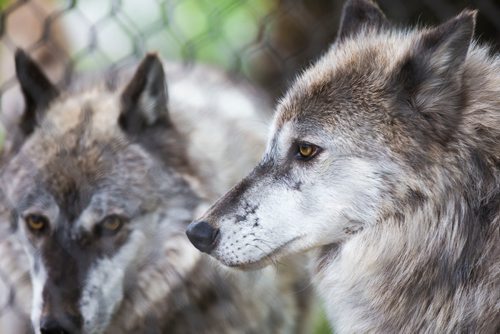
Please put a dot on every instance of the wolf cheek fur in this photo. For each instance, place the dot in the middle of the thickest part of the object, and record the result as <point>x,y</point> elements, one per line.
<point>100,184</point>
<point>402,202</point>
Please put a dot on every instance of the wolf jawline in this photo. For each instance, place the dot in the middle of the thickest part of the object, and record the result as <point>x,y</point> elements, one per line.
<point>384,157</point>
<point>100,184</point>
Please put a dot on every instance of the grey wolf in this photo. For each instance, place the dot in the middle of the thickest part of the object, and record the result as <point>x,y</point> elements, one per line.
<point>98,186</point>
<point>384,158</point>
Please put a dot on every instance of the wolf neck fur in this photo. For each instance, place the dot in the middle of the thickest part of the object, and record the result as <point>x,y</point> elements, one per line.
<point>436,250</point>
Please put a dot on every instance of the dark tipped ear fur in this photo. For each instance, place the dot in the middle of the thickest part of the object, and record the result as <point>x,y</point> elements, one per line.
<point>431,74</point>
<point>441,51</point>
<point>37,89</point>
<point>358,14</point>
<point>144,100</point>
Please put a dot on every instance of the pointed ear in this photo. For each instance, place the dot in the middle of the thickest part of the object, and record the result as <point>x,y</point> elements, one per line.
<point>145,98</point>
<point>37,89</point>
<point>431,73</point>
<point>358,14</point>
<point>441,51</point>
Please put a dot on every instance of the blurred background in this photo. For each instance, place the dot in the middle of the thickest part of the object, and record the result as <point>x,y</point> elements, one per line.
<point>266,41</point>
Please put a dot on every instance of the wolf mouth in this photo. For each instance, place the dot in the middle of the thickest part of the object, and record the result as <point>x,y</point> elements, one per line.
<point>265,259</point>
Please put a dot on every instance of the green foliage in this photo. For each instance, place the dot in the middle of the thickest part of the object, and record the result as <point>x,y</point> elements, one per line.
<point>3,4</point>
<point>206,31</point>
<point>218,30</point>
<point>321,325</point>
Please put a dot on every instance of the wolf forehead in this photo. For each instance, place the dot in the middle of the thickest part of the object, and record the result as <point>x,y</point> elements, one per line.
<point>353,73</point>
<point>86,117</point>
<point>78,135</point>
<point>78,150</point>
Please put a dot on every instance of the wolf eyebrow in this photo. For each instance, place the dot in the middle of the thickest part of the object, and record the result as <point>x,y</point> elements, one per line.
<point>101,207</point>
<point>35,198</point>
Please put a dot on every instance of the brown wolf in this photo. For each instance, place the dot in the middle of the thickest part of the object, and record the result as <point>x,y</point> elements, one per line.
<point>99,185</point>
<point>384,157</point>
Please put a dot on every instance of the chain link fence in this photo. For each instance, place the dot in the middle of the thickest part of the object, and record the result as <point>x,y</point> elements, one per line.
<point>267,41</point>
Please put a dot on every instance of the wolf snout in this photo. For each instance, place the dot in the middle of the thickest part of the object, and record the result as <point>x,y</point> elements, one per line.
<point>50,325</point>
<point>202,235</point>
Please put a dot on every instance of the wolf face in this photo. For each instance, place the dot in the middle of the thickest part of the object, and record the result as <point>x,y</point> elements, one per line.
<point>88,187</point>
<point>354,139</point>
<point>292,202</point>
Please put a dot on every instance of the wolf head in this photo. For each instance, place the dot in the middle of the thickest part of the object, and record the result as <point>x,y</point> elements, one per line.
<point>351,140</point>
<point>89,186</point>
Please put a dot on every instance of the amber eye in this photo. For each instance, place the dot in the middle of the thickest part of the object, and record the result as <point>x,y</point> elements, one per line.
<point>306,151</point>
<point>111,224</point>
<point>36,223</point>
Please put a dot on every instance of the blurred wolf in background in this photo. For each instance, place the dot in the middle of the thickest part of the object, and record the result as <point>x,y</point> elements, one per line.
<point>385,158</point>
<point>99,185</point>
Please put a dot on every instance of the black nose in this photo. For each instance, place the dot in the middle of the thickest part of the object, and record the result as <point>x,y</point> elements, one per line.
<point>202,236</point>
<point>50,325</point>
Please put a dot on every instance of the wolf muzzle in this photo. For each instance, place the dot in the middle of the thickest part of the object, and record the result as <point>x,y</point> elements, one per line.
<point>50,325</point>
<point>203,236</point>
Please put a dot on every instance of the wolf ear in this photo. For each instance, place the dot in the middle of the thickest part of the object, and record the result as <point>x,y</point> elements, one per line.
<point>144,100</point>
<point>431,73</point>
<point>441,51</point>
<point>37,89</point>
<point>358,14</point>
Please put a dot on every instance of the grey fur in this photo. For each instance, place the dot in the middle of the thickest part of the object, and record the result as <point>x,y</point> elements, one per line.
<point>402,202</point>
<point>95,152</point>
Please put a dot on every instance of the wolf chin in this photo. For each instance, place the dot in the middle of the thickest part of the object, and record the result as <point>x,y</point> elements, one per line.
<point>98,185</point>
<point>384,157</point>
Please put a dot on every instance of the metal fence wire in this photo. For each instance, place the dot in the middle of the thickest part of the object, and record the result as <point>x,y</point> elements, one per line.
<point>267,41</point>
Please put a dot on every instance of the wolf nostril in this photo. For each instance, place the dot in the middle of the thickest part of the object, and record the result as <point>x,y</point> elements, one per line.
<point>52,326</point>
<point>202,236</point>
